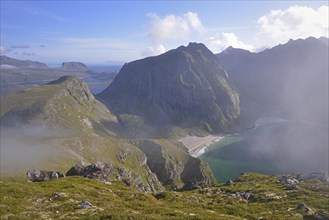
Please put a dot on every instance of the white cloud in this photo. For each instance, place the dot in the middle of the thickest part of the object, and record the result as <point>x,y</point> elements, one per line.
<point>279,26</point>
<point>152,51</point>
<point>173,27</point>
<point>221,41</point>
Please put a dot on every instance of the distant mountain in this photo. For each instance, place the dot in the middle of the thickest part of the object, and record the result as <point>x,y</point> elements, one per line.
<point>25,72</point>
<point>74,66</point>
<point>14,63</point>
<point>292,77</point>
<point>184,88</point>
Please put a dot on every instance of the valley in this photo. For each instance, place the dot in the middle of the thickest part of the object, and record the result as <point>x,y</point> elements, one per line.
<point>172,128</point>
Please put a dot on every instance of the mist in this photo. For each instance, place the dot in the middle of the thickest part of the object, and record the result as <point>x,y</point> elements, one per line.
<point>27,147</point>
<point>290,82</point>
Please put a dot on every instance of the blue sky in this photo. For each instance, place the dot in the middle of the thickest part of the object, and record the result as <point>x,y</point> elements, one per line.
<point>107,32</point>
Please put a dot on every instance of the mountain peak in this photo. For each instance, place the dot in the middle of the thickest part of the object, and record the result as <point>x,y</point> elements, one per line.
<point>185,87</point>
<point>193,46</point>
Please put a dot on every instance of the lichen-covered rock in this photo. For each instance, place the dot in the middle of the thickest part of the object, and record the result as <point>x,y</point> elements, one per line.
<point>85,205</point>
<point>42,175</point>
<point>106,172</point>
<point>96,170</point>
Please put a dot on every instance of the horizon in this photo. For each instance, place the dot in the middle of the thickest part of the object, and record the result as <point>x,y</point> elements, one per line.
<point>120,64</point>
<point>112,33</point>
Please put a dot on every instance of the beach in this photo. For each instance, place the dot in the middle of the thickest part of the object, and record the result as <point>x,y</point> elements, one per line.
<point>197,145</point>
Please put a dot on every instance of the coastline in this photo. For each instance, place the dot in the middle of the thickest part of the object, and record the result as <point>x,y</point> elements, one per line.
<point>197,145</point>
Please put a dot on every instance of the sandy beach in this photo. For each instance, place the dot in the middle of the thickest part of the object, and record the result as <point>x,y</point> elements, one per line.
<point>196,145</point>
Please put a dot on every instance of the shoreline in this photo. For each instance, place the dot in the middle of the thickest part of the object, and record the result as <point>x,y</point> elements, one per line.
<point>197,145</point>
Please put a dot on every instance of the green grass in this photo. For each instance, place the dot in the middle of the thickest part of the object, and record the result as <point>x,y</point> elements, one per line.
<point>25,200</point>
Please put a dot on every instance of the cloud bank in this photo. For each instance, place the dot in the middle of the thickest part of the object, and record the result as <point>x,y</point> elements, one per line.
<point>223,40</point>
<point>275,27</point>
<point>279,26</point>
<point>171,27</point>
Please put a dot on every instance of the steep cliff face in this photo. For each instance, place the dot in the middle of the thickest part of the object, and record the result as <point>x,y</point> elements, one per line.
<point>173,166</point>
<point>185,87</point>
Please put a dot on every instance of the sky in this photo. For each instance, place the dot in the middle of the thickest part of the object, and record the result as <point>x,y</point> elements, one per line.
<point>115,32</point>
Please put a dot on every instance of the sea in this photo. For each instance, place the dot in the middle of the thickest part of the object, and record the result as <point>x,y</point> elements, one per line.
<point>274,146</point>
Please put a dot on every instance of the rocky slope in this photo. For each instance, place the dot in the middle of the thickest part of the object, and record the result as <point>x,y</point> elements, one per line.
<point>184,88</point>
<point>251,196</point>
<point>64,124</point>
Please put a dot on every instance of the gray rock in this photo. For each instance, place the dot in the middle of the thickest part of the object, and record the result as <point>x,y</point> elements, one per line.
<point>85,205</point>
<point>229,183</point>
<point>294,187</point>
<point>245,195</point>
<point>97,170</point>
<point>288,180</point>
<point>303,206</point>
<point>42,175</point>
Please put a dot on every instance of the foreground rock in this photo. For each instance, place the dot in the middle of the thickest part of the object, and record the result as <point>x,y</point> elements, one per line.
<point>97,170</point>
<point>107,173</point>
<point>42,175</point>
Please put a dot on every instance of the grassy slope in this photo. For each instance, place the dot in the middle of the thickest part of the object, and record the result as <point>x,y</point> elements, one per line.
<point>25,200</point>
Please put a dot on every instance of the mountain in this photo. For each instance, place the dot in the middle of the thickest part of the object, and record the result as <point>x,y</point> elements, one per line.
<point>74,66</point>
<point>184,88</point>
<point>14,63</point>
<point>60,124</point>
<point>290,78</point>
<point>15,72</point>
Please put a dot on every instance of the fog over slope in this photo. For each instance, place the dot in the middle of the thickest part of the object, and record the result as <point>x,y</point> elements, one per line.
<point>289,81</point>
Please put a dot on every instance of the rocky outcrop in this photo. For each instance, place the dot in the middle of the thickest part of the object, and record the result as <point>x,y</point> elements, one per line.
<point>76,88</point>
<point>107,173</point>
<point>185,87</point>
<point>174,167</point>
<point>196,174</point>
<point>94,171</point>
<point>42,175</point>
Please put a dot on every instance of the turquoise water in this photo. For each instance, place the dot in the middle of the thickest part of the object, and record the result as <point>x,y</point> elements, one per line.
<point>276,148</point>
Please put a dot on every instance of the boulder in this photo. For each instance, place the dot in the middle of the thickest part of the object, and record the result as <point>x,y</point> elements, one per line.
<point>288,180</point>
<point>96,170</point>
<point>42,175</point>
<point>229,183</point>
<point>85,205</point>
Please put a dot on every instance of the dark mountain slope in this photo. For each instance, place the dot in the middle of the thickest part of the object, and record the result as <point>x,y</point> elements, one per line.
<point>292,77</point>
<point>185,87</point>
